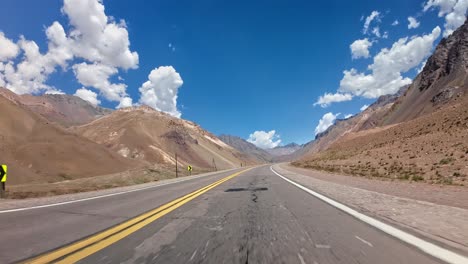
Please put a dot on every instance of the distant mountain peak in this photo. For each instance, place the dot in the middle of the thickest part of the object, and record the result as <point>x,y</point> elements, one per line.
<point>246,147</point>
<point>450,56</point>
<point>66,110</point>
<point>290,145</point>
<point>142,108</point>
<point>284,150</point>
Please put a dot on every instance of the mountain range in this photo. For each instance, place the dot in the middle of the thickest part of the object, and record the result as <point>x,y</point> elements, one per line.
<point>419,133</point>
<point>276,154</point>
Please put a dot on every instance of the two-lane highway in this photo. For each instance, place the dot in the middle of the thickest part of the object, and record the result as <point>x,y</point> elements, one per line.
<point>232,217</point>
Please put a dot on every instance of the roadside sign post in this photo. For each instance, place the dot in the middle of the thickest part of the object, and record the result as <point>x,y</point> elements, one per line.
<point>176,169</point>
<point>214,165</point>
<point>189,168</point>
<point>3,179</point>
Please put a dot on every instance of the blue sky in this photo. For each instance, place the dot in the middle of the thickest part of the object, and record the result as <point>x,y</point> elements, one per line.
<point>246,65</point>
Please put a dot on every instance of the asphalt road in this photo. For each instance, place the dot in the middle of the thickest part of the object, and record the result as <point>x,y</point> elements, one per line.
<point>255,217</point>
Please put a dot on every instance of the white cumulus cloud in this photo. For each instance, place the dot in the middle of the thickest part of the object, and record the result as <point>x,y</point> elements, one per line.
<point>30,74</point>
<point>8,49</point>
<point>160,91</point>
<point>325,122</point>
<point>364,107</point>
<point>103,43</point>
<point>97,37</point>
<point>387,67</point>
<point>348,116</point>
<point>375,15</point>
<point>97,75</point>
<point>412,23</point>
<point>264,140</point>
<point>454,12</point>
<point>385,73</point>
<point>54,91</point>
<point>100,43</point>
<point>395,23</point>
<point>376,32</point>
<point>360,48</point>
<point>88,95</point>
<point>125,102</point>
<point>328,98</point>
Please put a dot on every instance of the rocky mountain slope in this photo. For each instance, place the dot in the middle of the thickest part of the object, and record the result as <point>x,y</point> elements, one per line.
<point>143,133</point>
<point>247,148</point>
<point>442,80</point>
<point>38,151</point>
<point>63,109</point>
<point>367,119</point>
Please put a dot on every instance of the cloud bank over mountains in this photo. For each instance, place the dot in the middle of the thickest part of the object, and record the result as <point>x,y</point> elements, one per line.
<point>265,140</point>
<point>95,47</point>
<point>386,74</point>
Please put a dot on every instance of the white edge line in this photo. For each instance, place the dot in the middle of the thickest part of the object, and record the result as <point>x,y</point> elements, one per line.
<point>107,195</point>
<point>427,247</point>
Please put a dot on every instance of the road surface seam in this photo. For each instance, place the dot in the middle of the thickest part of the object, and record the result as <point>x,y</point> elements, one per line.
<point>425,246</point>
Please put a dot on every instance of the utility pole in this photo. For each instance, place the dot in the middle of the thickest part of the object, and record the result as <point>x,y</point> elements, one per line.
<point>176,169</point>
<point>214,165</point>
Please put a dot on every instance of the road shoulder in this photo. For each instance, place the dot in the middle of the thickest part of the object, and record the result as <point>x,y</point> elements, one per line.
<point>410,214</point>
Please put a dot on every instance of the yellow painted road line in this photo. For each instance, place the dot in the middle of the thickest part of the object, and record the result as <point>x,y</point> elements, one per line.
<point>93,244</point>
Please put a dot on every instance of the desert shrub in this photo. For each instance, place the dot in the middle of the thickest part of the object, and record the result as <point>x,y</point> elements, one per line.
<point>446,161</point>
<point>447,181</point>
<point>65,176</point>
<point>417,178</point>
<point>404,176</point>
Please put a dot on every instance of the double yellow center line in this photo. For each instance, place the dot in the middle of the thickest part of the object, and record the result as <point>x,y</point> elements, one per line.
<point>85,247</point>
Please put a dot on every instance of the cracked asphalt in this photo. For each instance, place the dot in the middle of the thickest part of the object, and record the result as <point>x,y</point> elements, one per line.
<point>256,217</point>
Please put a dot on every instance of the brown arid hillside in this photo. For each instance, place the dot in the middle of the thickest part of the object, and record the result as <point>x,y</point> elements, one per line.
<point>431,148</point>
<point>65,110</point>
<point>142,133</point>
<point>37,151</point>
<point>367,119</point>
